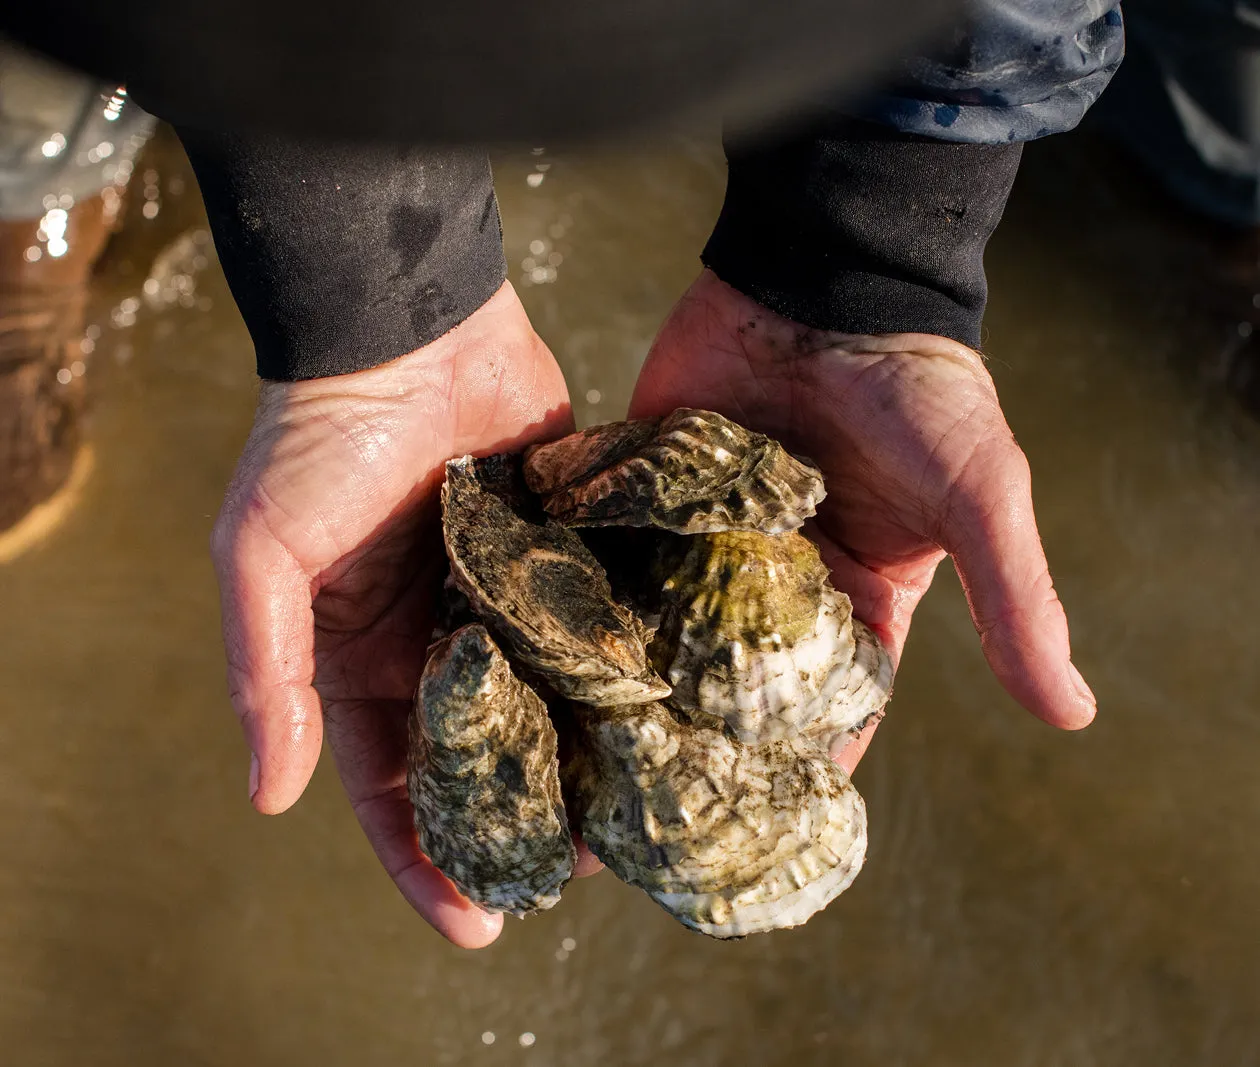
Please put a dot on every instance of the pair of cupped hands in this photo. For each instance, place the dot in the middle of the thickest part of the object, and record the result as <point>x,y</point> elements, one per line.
<point>328,549</point>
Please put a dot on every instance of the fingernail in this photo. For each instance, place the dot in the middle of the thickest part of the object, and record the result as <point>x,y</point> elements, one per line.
<point>254,770</point>
<point>1084,690</point>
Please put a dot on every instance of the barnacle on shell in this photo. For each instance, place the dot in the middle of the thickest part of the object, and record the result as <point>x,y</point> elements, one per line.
<point>728,838</point>
<point>541,592</point>
<point>753,634</point>
<point>483,778</point>
<point>691,472</point>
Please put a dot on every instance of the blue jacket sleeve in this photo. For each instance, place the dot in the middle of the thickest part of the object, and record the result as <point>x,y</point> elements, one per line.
<point>1017,70</point>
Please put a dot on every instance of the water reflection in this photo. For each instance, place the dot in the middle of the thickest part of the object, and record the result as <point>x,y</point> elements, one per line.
<point>1030,897</point>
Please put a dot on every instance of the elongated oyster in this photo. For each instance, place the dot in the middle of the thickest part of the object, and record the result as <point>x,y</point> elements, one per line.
<point>729,839</point>
<point>541,591</point>
<point>753,634</point>
<point>484,781</point>
<point>690,472</point>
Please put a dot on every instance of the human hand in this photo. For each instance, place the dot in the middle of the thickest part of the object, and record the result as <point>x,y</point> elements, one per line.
<point>918,460</point>
<point>329,555</point>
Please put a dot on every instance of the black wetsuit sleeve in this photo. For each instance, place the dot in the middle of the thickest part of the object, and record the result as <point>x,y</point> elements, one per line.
<point>854,227</point>
<point>343,257</point>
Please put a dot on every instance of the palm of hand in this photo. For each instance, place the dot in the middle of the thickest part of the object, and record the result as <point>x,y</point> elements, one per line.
<point>329,557</point>
<point>918,460</point>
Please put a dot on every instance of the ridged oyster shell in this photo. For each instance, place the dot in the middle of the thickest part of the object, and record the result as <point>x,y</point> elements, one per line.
<point>483,778</point>
<point>753,634</point>
<point>690,472</point>
<point>537,586</point>
<point>867,688</point>
<point>729,839</point>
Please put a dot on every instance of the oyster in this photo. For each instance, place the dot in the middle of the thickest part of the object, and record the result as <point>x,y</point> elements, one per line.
<point>729,839</point>
<point>484,780</point>
<point>540,590</point>
<point>690,472</point>
<point>720,802</point>
<point>753,634</point>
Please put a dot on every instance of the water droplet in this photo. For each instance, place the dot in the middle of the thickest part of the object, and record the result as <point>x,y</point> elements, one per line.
<point>569,944</point>
<point>526,1039</point>
<point>150,209</point>
<point>151,286</point>
<point>487,1038</point>
<point>537,247</point>
<point>87,346</point>
<point>593,396</point>
<point>64,377</point>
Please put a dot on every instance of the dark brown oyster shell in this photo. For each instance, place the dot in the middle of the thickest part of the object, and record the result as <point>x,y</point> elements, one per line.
<point>542,592</point>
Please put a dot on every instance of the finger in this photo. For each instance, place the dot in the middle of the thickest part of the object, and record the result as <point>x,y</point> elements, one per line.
<point>268,635</point>
<point>368,740</point>
<point>587,862</point>
<point>1023,629</point>
<point>850,754</point>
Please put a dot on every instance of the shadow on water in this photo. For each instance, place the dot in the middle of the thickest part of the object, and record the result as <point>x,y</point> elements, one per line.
<point>1030,897</point>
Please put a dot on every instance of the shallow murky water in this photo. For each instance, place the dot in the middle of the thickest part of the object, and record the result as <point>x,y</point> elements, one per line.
<point>1030,897</point>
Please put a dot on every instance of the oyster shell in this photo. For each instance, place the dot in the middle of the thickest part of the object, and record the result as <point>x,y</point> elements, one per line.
<point>537,586</point>
<point>690,472</point>
<point>484,780</point>
<point>753,634</point>
<point>729,839</point>
<point>867,687</point>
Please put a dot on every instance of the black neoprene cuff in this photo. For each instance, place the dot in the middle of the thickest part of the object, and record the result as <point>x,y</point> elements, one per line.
<point>853,227</point>
<point>342,257</point>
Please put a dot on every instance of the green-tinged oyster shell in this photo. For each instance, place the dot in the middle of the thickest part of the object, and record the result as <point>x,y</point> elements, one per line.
<point>484,780</point>
<point>691,472</point>
<point>541,592</point>
<point>752,634</point>
<point>729,839</point>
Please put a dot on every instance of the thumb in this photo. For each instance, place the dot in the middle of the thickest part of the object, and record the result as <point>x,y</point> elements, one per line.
<point>992,535</point>
<point>269,634</point>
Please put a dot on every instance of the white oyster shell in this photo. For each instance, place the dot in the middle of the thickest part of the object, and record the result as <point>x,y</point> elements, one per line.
<point>753,634</point>
<point>867,686</point>
<point>729,839</point>
<point>483,779</point>
<point>693,471</point>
